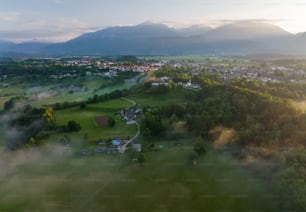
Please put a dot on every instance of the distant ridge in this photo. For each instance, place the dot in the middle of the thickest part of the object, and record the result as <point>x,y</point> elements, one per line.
<point>246,30</point>
<point>240,38</point>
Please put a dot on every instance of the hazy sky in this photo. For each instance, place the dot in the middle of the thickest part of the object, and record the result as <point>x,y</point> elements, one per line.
<point>59,20</point>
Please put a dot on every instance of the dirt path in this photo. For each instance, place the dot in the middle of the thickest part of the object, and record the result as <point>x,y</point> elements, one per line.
<point>129,100</point>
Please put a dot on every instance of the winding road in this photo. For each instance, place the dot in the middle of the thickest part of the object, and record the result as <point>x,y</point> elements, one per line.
<point>123,148</point>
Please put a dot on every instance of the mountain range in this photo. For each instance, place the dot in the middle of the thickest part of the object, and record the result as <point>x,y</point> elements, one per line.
<point>240,38</point>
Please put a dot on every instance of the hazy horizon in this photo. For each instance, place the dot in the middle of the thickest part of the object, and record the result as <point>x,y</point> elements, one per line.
<point>61,20</point>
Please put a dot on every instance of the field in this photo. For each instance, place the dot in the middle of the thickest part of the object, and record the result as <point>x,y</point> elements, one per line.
<point>86,119</point>
<point>53,180</point>
<point>175,96</point>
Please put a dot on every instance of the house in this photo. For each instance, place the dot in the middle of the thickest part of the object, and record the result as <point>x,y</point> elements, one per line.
<point>131,122</point>
<point>101,142</point>
<point>137,110</point>
<point>115,142</point>
<point>155,84</point>
<point>137,147</point>
<point>85,152</point>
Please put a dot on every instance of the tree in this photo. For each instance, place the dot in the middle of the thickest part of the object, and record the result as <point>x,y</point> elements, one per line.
<point>151,125</point>
<point>147,85</point>
<point>199,147</point>
<point>111,122</point>
<point>173,119</point>
<point>48,115</point>
<point>73,126</point>
<point>83,105</point>
<point>141,158</point>
<point>171,84</point>
<point>32,141</point>
<point>193,157</point>
<point>8,105</point>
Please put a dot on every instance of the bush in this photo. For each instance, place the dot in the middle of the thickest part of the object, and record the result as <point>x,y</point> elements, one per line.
<point>199,148</point>
<point>83,105</point>
<point>73,126</point>
<point>111,122</point>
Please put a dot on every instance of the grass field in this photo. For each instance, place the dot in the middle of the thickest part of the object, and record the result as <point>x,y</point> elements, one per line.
<point>7,93</point>
<point>175,96</point>
<point>55,181</point>
<point>86,119</point>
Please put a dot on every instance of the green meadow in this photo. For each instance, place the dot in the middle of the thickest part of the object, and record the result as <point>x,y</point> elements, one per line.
<point>85,117</point>
<point>174,96</point>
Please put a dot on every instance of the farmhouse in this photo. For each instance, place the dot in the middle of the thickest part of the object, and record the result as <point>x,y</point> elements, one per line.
<point>129,114</point>
<point>137,147</point>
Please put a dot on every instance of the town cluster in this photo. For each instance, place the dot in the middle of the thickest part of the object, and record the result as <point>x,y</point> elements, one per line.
<point>228,70</point>
<point>250,71</point>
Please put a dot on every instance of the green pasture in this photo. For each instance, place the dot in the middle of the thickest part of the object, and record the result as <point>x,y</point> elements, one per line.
<point>86,119</point>
<point>172,97</point>
<point>9,92</point>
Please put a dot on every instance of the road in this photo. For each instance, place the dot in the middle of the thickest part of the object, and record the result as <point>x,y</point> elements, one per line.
<point>123,148</point>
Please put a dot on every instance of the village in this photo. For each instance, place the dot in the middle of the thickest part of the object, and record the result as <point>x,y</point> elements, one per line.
<point>91,66</point>
<point>231,70</point>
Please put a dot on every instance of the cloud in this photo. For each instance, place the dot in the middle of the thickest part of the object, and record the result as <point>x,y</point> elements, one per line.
<point>216,22</point>
<point>9,16</point>
<point>57,1</point>
<point>55,30</point>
